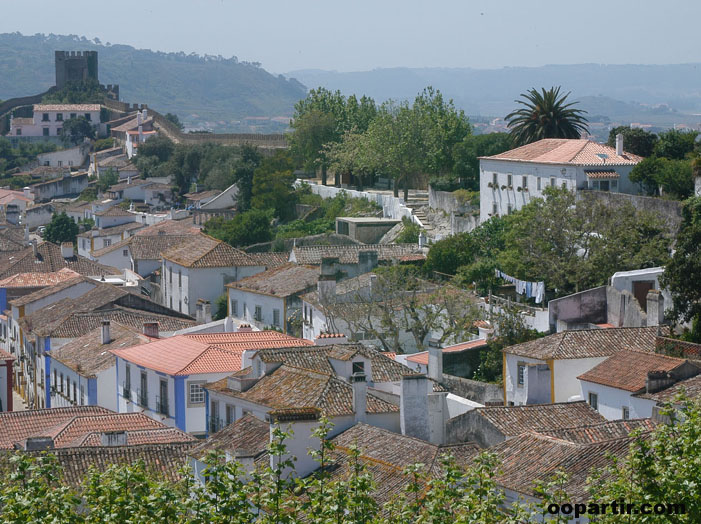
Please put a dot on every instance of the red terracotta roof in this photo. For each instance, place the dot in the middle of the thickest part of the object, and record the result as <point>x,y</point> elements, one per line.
<point>589,433</point>
<point>567,151</point>
<point>38,279</point>
<point>628,370</point>
<point>281,281</point>
<point>601,174</point>
<point>422,357</point>
<point>202,251</point>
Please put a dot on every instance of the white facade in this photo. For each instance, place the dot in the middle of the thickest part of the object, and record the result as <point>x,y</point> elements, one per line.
<point>183,286</point>
<point>48,121</point>
<point>257,309</point>
<point>507,186</point>
<point>543,381</point>
<point>73,157</point>
<point>626,280</point>
<point>611,401</point>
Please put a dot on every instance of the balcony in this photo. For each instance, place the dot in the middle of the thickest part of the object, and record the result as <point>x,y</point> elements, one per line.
<point>162,405</point>
<point>214,424</point>
<point>126,391</point>
<point>142,398</point>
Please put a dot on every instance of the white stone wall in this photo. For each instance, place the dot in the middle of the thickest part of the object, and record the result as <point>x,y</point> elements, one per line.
<point>612,400</point>
<point>566,372</point>
<point>246,303</point>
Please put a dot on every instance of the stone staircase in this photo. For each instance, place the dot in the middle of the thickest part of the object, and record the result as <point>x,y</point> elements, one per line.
<point>418,203</point>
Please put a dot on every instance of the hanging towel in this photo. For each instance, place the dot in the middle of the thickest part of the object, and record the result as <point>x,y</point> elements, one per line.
<point>529,289</point>
<point>540,292</point>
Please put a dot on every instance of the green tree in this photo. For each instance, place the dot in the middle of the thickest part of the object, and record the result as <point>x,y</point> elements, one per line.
<point>273,186</point>
<point>545,114</point>
<point>61,229</point>
<point>107,179</point>
<point>658,175</point>
<point>174,119</point>
<point>635,140</point>
<point>75,130</point>
<point>249,227</point>
<point>683,273</point>
<point>313,130</point>
<point>243,175</point>
<point>466,157</point>
<point>675,144</point>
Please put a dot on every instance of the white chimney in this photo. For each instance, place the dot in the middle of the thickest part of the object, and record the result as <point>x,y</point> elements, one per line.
<point>26,234</point>
<point>360,396</point>
<point>28,193</point>
<point>106,336</point>
<point>67,249</point>
<point>138,118</point>
<point>619,144</point>
<point>302,422</point>
<point>151,329</point>
<point>34,247</point>
<point>435,362</point>
<point>413,406</point>
<point>141,134</point>
<point>328,339</point>
<point>144,112</point>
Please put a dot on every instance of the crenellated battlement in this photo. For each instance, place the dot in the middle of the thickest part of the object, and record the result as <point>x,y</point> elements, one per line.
<point>75,66</point>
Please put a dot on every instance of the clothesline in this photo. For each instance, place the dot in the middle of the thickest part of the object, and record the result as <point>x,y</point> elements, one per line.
<point>534,290</point>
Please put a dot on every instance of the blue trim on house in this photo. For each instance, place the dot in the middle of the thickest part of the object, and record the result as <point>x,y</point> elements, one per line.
<point>92,392</point>
<point>206,413</point>
<point>116,386</point>
<point>180,402</point>
<point>3,298</point>
<point>47,372</point>
<point>159,373</point>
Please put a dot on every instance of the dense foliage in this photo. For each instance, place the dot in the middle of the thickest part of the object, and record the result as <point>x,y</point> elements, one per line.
<point>249,227</point>
<point>545,114</point>
<point>15,157</point>
<point>62,228</point>
<point>32,488</point>
<point>85,92</point>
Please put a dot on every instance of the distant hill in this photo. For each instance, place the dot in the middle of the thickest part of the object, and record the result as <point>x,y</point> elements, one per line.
<point>198,89</point>
<point>657,93</point>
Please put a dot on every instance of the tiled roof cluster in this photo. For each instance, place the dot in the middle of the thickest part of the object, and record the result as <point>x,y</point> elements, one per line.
<point>533,457</point>
<point>112,230</point>
<point>422,357</point>
<point>289,387</point>
<point>349,254</point>
<point>282,281</point>
<point>628,370</point>
<point>38,279</point>
<point>47,291</point>
<point>87,355</point>
<point>196,354</point>
<point>580,152</point>
<point>49,259</point>
<point>145,247</point>
<point>514,420</point>
<point>587,343</point>
<point>691,388</point>
<point>611,429</point>
<point>115,211</point>
<point>203,251</point>
<point>69,427</point>
<point>183,226</point>
<point>247,437</point>
<point>66,107</point>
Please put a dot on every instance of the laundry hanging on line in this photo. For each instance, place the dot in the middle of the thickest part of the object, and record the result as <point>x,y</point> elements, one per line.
<point>534,290</point>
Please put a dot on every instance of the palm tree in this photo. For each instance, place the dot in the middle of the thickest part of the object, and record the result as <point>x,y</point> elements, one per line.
<point>545,115</point>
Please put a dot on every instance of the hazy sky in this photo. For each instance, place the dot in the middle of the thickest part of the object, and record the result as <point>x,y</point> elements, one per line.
<point>365,34</point>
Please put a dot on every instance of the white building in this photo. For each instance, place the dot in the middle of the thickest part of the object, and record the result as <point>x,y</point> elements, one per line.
<point>164,379</point>
<point>271,298</point>
<point>200,269</point>
<point>72,157</point>
<point>48,119</point>
<point>618,388</point>
<point>96,239</point>
<point>545,370</point>
<point>509,180</point>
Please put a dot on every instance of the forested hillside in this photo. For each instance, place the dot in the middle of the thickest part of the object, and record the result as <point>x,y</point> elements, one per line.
<point>198,89</point>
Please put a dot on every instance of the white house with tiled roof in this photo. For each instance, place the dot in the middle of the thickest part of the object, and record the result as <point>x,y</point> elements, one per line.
<point>200,269</point>
<point>545,370</point>
<point>509,180</point>
<point>48,119</point>
<point>164,379</point>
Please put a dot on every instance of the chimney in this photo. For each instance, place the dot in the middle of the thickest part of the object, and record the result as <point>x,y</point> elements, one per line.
<point>245,328</point>
<point>360,396</point>
<point>113,438</point>
<point>203,311</point>
<point>655,308</point>
<point>367,261</point>
<point>34,247</point>
<point>38,443</point>
<point>435,362</point>
<point>302,422</point>
<point>240,383</point>
<point>106,336</point>
<point>138,118</point>
<point>151,329</point>
<point>26,234</point>
<point>328,339</point>
<point>67,249</point>
<point>619,144</point>
<point>141,134</point>
<point>413,406</point>
<point>373,285</point>
<point>28,193</point>
<point>144,113</point>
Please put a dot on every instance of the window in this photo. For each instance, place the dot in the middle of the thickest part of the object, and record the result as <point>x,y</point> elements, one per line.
<point>214,416</point>
<point>234,308</point>
<point>59,117</point>
<point>509,209</point>
<point>143,392</point>
<point>553,181</point>
<point>75,391</point>
<point>258,314</point>
<point>276,317</point>
<point>614,185</point>
<point>88,117</point>
<point>82,395</point>
<point>70,163</point>
<point>180,278</point>
<point>358,367</point>
<point>594,401</point>
<point>509,180</point>
<point>495,180</point>
<point>538,183</point>
<point>171,302</point>
<point>163,400</point>
<point>170,274</point>
<point>564,185</point>
<point>524,181</point>
<point>625,415</point>
<point>494,209</point>
<point>127,381</point>
<point>107,242</point>
<point>229,414</point>
<point>45,131</point>
<point>59,163</point>
<point>61,382</point>
<point>55,379</point>
<point>521,374</point>
<point>59,131</point>
<point>196,393</point>
<point>45,117</point>
<point>73,115</point>
<point>19,131</point>
<point>125,252</point>
<point>180,306</point>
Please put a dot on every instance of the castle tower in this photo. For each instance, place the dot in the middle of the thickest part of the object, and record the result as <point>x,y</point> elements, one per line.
<point>75,66</point>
